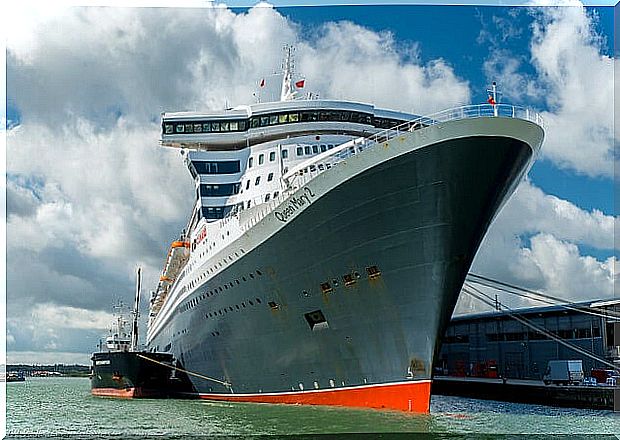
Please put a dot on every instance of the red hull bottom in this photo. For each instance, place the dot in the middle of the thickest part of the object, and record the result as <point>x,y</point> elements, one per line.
<point>124,393</point>
<point>402,396</point>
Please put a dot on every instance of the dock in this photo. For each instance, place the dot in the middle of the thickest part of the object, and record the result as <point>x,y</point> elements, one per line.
<point>527,391</point>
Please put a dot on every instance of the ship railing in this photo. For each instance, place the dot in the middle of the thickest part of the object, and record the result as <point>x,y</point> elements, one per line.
<point>307,170</point>
<point>303,173</point>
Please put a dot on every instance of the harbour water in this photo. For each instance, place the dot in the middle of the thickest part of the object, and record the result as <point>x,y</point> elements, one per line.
<point>63,406</point>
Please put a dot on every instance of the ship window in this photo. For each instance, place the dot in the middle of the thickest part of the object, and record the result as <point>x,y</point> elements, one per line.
<point>224,126</point>
<point>307,149</point>
<point>250,302</point>
<point>251,275</point>
<point>272,156</point>
<point>345,116</point>
<point>264,121</point>
<point>273,305</point>
<point>323,148</point>
<point>258,272</point>
<point>242,125</point>
<point>258,300</point>
<point>270,177</point>
<point>275,194</point>
<point>323,116</point>
<point>315,149</point>
<point>293,117</point>
<point>261,159</point>
<point>283,118</point>
<point>243,305</point>
<point>206,127</point>
<point>321,167</point>
<point>197,128</point>
<point>247,184</point>
<point>254,122</point>
<point>267,197</point>
<point>234,126</point>
<point>257,181</point>
<point>250,162</point>
<point>223,167</point>
<point>237,306</point>
<point>300,151</point>
<point>168,128</point>
<point>180,128</point>
<point>330,146</point>
<point>188,128</point>
<point>273,119</point>
<point>249,202</point>
<point>284,154</point>
<point>215,126</point>
<point>335,282</point>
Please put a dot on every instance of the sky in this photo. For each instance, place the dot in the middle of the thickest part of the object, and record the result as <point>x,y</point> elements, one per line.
<point>90,194</point>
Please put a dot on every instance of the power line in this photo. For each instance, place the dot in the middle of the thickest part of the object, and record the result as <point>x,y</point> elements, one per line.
<point>527,293</point>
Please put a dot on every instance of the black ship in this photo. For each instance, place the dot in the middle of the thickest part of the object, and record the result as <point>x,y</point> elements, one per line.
<point>121,370</point>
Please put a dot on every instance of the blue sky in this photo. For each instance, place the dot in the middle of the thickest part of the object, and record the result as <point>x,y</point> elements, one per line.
<point>90,195</point>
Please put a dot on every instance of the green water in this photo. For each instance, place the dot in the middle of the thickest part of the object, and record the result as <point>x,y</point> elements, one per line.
<point>63,406</point>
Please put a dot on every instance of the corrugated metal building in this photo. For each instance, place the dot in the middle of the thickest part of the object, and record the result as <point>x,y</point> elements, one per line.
<point>496,345</point>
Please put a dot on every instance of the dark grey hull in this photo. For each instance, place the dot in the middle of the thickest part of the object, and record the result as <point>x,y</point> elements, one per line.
<point>418,217</point>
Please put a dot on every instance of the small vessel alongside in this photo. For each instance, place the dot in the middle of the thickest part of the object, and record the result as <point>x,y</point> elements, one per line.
<point>120,369</point>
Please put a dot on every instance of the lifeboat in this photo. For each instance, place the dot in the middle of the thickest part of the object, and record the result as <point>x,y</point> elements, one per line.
<point>177,257</point>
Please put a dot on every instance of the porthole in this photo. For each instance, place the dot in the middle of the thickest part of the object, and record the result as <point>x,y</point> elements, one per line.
<point>258,272</point>
<point>237,306</point>
<point>335,282</point>
<point>237,281</point>
<point>243,305</point>
<point>252,275</point>
<point>258,300</point>
<point>274,305</point>
<point>356,274</point>
<point>243,278</point>
<point>305,293</point>
<point>250,302</point>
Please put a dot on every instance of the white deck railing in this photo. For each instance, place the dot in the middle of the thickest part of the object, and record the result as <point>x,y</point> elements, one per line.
<point>309,169</point>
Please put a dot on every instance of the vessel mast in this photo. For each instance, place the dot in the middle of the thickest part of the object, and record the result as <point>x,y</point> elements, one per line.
<point>136,308</point>
<point>287,85</point>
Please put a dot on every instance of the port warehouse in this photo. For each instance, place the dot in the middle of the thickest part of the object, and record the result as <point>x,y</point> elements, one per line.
<point>494,344</point>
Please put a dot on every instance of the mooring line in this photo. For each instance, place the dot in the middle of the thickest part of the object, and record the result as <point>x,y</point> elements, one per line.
<point>226,384</point>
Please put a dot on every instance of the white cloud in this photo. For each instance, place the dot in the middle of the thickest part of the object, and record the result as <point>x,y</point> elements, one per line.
<point>568,56</point>
<point>63,317</point>
<point>573,77</point>
<point>531,211</point>
<point>368,67</point>
<point>551,262</point>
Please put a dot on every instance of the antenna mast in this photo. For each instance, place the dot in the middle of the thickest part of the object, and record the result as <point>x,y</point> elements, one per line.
<point>287,92</point>
<point>136,308</point>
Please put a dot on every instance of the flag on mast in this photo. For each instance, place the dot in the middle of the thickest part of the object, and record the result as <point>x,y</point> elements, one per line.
<point>262,82</point>
<point>300,84</point>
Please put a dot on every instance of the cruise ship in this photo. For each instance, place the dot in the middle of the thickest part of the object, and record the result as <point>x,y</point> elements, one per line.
<point>328,244</point>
